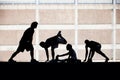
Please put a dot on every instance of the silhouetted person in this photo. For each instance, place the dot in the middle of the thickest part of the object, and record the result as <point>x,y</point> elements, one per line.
<point>26,43</point>
<point>52,42</point>
<point>94,47</point>
<point>71,54</point>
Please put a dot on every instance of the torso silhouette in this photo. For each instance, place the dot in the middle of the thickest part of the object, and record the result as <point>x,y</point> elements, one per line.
<point>93,45</point>
<point>27,36</point>
<point>26,40</point>
<point>72,54</point>
<point>53,42</point>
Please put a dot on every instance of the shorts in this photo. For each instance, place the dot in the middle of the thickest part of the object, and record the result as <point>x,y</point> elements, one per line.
<point>27,46</point>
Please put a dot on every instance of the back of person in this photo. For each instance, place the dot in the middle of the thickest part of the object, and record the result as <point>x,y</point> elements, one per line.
<point>73,54</point>
<point>52,42</point>
<point>94,45</point>
<point>27,36</point>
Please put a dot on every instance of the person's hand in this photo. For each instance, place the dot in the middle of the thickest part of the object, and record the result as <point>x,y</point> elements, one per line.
<point>47,60</point>
<point>84,60</point>
<point>59,33</point>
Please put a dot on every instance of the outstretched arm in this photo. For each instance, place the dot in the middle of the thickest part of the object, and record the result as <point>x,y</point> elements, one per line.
<point>57,57</point>
<point>64,54</point>
<point>47,54</point>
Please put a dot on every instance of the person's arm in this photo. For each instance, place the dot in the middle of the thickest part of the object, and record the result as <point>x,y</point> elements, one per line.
<point>69,57</point>
<point>57,57</point>
<point>29,35</point>
<point>47,54</point>
<point>30,40</point>
<point>86,54</point>
<point>90,53</point>
<point>64,54</point>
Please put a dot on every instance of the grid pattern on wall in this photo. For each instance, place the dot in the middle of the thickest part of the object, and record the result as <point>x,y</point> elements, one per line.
<point>92,19</point>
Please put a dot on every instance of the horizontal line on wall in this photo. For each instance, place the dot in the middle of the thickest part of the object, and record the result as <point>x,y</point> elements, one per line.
<point>23,27</point>
<point>61,47</point>
<point>106,26</point>
<point>39,1</point>
<point>13,6</point>
<point>95,6</point>
<point>56,27</point>
<point>56,6</point>
<point>117,26</point>
<point>14,27</point>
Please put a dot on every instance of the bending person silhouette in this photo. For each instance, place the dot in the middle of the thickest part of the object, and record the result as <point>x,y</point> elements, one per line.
<point>94,47</point>
<point>71,55</point>
<point>26,43</point>
<point>52,42</point>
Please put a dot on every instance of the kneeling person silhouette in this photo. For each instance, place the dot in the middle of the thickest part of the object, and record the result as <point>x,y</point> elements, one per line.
<point>26,43</point>
<point>71,55</point>
<point>94,47</point>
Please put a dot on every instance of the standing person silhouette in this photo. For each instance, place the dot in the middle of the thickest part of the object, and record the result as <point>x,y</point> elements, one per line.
<point>52,42</point>
<point>26,43</point>
<point>94,47</point>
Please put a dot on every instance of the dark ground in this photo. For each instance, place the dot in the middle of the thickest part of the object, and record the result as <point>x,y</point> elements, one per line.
<point>56,71</point>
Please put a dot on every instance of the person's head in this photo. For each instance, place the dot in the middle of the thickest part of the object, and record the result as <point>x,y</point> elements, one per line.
<point>86,41</point>
<point>69,47</point>
<point>34,24</point>
<point>42,44</point>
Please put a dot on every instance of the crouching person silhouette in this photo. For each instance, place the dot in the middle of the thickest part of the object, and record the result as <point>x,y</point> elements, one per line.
<point>52,42</point>
<point>94,47</point>
<point>26,43</point>
<point>71,55</point>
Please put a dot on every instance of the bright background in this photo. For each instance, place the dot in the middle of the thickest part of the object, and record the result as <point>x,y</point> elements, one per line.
<point>97,20</point>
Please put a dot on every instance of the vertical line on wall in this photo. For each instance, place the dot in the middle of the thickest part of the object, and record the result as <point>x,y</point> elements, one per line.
<point>114,30</point>
<point>37,31</point>
<point>76,26</point>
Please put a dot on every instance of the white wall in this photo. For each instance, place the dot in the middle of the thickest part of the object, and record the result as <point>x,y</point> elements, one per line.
<point>56,1</point>
<point>17,1</point>
<point>118,1</point>
<point>95,1</point>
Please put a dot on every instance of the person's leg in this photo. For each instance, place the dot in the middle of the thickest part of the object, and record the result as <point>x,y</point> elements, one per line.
<point>13,55</point>
<point>19,49</point>
<point>32,53</point>
<point>101,53</point>
<point>47,54</point>
<point>89,58</point>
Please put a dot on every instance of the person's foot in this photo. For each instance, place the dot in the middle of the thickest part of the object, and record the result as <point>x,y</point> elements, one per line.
<point>89,60</point>
<point>107,60</point>
<point>47,60</point>
<point>33,60</point>
<point>11,60</point>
